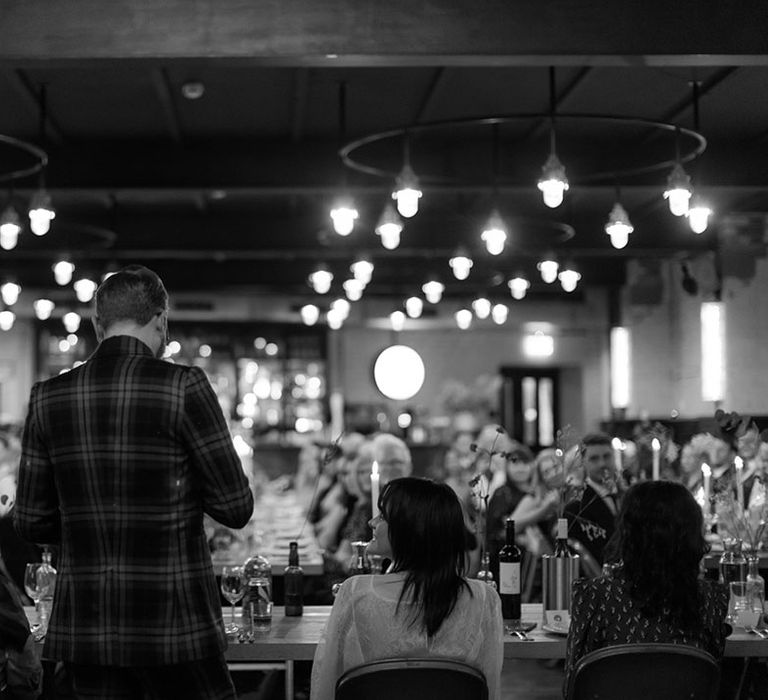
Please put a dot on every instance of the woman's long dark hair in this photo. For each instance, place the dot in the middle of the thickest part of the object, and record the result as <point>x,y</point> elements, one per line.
<point>660,539</point>
<point>426,532</point>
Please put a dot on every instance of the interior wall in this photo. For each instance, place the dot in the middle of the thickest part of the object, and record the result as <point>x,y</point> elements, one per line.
<point>17,353</point>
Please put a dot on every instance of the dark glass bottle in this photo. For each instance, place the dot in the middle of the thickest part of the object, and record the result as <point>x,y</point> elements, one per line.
<point>561,543</point>
<point>294,583</point>
<point>510,558</point>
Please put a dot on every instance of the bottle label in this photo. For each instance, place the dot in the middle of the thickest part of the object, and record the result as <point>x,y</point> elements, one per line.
<point>509,578</point>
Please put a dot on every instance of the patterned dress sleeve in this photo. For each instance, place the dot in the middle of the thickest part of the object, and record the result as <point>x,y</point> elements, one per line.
<point>583,610</point>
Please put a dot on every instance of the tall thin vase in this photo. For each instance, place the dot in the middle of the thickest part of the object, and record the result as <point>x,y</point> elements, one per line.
<point>755,586</point>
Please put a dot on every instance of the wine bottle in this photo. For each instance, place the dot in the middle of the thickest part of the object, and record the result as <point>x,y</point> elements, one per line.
<point>561,543</point>
<point>510,557</point>
<point>294,583</point>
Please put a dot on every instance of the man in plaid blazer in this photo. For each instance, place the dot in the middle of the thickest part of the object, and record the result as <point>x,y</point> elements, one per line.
<point>121,458</point>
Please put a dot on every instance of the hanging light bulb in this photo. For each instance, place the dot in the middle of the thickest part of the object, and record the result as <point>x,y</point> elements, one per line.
<point>334,319</point>
<point>569,278</point>
<point>353,289</point>
<point>71,321</point>
<point>463,318</point>
<point>499,313</point>
<point>548,268</point>
<point>41,213</point>
<point>321,280</point>
<point>618,226</point>
<point>62,272</point>
<point>342,306</point>
<point>389,227</point>
<point>7,317</point>
<point>553,182</point>
<point>433,290</point>
<point>414,306</point>
<point>518,287</point>
<point>10,293</point>
<point>309,314</point>
<point>461,264</point>
<point>397,319</point>
<point>10,228</point>
<point>698,215</point>
<point>678,191</point>
<point>43,308</point>
<point>407,192</point>
<point>482,307</point>
<point>344,216</point>
<point>494,234</point>
<point>362,270</point>
<point>84,289</point>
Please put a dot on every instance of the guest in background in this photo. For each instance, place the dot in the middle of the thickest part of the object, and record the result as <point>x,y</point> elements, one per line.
<point>655,594</point>
<point>425,606</point>
<point>492,445</point>
<point>592,518</point>
<point>393,457</point>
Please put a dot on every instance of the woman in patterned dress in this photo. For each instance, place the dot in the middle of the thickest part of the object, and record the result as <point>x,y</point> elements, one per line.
<point>656,593</point>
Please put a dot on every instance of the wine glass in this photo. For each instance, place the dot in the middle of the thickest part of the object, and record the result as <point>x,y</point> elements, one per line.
<point>32,587</point>
<point>233,589</point>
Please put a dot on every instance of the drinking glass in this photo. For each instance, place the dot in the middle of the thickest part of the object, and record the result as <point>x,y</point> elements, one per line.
<point>32,587</point>
<point>740,613</point>
<point>233,589</point>
<point>261,614</point>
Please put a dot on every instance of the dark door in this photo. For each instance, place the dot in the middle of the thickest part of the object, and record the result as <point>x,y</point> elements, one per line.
<point>530,405</point>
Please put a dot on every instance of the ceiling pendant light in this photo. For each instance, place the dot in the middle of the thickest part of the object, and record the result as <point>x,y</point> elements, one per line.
<point>62,272</point>
<point>698,215</point>
<point>482,308</point>
<point>494,235</point>
<point>343,216</point>
<point>397,319</point>
<point>499,313</point>
<point>309,314</point>
<point>335,319</point>
<point>463,318</point>
<point>41,212</point>
<point>618,227</point>
<point>678,191</point>
<point>414,306</point>
<point>569,278</point>
<point>553,182</point>
<point>353,289</point>
<point>10,293</point>
<point>518,286</point>
<point>548,268</point>
<point>407,192</point>
<point>341,306</point>
<point>43,308</point>
<point>389,227</point>
<point>321,280</point>
<point>461,264</point>
<point>7,317</point>
<point>362,270</point>
<point>10,228</point>
<point>85,288</point>
<point>433,291</point>
<point>71,321</point>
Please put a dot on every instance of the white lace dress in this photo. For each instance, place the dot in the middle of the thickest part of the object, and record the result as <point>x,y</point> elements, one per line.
<point>363,627</point>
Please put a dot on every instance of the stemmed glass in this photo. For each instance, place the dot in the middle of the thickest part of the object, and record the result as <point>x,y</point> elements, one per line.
<point>233,589</point>
<point>32,587</point>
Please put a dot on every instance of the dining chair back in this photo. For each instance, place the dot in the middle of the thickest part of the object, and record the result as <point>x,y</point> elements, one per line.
<point>413,679</point>
<point>645,672</point>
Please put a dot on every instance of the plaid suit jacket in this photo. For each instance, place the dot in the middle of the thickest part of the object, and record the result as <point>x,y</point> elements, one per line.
<point>121,458</point>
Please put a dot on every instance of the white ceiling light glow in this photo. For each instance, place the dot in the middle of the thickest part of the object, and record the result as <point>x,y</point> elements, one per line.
<point>407,192</point>
<point>518,287</point>
<point>10,293</point>
<point>62,272</point>
<point>433,291</point>
<point>389,227</point>
<point>399,372</point>
<point>414,306</point>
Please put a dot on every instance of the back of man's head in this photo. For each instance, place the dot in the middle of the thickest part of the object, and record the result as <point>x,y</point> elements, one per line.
<point>134,294</point>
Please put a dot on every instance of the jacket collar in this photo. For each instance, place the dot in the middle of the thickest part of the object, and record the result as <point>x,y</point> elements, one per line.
<point>122,345</point>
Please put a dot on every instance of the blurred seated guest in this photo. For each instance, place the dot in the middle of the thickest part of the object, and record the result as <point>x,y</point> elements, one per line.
<point>655,594</point>
<point>457,466</point>
<point>392,456</point>
<point>308,471</point>
<point>333,501</point>
<point>547,484</point>
<point>491,446</point>
<point>592,517</point>
<point>425,606</point>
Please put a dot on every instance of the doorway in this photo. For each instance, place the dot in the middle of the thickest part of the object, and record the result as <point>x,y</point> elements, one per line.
<point>530,405</point>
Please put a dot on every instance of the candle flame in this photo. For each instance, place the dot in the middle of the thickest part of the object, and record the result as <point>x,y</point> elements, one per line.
<point>706,470</point>
<point>655,444</point>
<point>617,444</point>
<point>738,463</point>
<point>375,469</point>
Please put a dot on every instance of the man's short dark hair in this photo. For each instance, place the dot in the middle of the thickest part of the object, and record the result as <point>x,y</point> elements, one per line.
<point>594,439</point>
<point>135,293</point>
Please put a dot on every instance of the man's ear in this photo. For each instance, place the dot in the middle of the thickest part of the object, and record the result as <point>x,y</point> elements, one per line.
<point>97,327</point>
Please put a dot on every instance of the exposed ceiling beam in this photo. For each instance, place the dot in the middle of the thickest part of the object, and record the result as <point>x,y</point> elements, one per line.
<point>164,92</point>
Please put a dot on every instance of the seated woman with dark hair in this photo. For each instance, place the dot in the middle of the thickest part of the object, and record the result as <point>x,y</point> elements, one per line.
<point>655,593</point>
<point>424,606</point>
